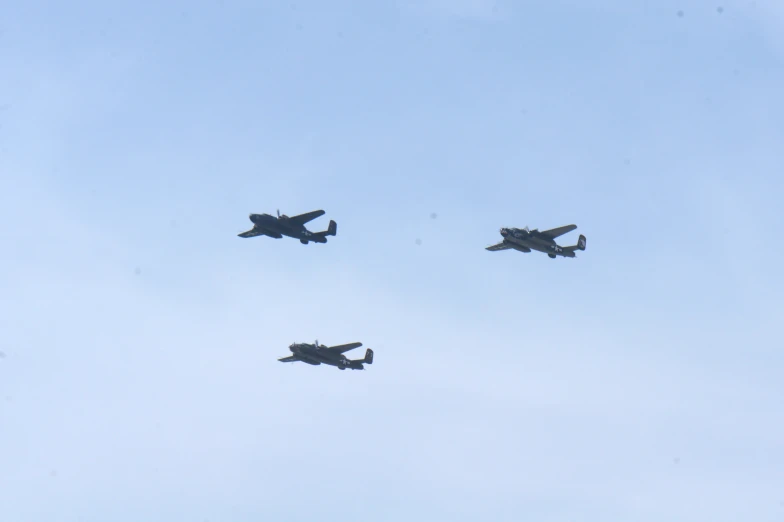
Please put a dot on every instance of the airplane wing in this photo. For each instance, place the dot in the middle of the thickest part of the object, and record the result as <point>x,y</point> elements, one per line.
<point>304,218</point>
<point>252,233</point>
<point>294,358</point>
<point>258,232</point>
<point>555,232</point>
<point>499,246</point>
<point>343,348</point>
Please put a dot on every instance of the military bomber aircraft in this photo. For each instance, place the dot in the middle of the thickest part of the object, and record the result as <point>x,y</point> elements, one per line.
<point>267,225</point>
<point>316,354</point>
<point>525,240</point>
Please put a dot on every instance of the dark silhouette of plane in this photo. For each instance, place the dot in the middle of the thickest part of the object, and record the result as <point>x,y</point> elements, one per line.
<point>316,354</point>
<point>525,240</point>
<point>277,227</point>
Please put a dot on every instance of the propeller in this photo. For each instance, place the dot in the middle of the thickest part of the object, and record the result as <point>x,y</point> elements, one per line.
<point>317,344</point>
<point>278,213</point>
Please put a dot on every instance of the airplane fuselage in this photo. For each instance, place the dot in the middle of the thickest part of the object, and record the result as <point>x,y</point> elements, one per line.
<point>516,237</point>
<point>315,355</point>
<point>275,227</point>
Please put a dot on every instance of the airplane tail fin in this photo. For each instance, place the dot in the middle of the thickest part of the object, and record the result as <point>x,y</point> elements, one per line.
<point>368,357</point>
<point>332,230</point>
<point>579,246</point>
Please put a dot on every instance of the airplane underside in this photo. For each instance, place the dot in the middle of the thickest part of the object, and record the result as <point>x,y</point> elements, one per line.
<point>343,364</point>
<point>272,234</point>
<point>314,238</point>
<point>551,250</point>
<point>315,361</point>
<point>304,238</point>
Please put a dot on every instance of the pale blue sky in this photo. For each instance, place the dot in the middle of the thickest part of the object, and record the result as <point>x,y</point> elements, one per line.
<point>641,381</point>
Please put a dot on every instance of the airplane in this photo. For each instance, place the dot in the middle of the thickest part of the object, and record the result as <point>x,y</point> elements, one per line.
<point>525,240</point>
<point>267,225</point>
<point>316,354</point>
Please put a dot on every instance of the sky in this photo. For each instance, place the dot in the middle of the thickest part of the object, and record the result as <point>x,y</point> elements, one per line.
<point>138,358</point>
